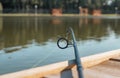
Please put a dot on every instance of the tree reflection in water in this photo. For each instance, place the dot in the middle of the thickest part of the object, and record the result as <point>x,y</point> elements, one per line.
<point>20,31</point>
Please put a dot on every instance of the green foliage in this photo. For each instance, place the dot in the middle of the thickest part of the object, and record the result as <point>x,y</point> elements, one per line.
<point>64,4</point>
<point>56,3</point>
<point>35,1</point>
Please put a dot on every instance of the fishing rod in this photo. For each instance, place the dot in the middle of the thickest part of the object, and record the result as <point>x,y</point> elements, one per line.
<point>63,43</point>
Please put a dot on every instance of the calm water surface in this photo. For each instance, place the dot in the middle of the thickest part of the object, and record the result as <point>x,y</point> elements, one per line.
<point>27,42</point>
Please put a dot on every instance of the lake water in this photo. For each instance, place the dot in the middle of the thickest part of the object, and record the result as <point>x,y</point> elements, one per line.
<point>28,42</point>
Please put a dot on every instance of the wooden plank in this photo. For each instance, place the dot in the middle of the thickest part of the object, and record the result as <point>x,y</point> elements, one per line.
<point>116,59</point>
<point>108,69</point>
<point>39,71</point>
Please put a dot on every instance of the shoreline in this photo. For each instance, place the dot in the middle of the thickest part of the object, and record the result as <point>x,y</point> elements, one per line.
<point>31,14</point>
<point>104,16</point>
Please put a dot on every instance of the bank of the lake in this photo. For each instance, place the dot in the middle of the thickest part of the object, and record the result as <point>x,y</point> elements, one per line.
<point>39,14</point>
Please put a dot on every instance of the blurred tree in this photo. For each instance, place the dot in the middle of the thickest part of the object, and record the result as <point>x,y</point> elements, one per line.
<point>56,3</point>
<point>65,4</point>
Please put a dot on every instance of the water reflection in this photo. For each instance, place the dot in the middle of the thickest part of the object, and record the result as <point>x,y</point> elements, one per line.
<point>20,31</point>
<point>1,24</point>
<point>26,42</point>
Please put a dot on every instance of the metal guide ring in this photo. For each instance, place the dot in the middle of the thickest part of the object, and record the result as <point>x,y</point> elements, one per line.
<point>62,43</point>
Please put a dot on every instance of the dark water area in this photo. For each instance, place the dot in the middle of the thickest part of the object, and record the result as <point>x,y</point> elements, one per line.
<point>28,42</point>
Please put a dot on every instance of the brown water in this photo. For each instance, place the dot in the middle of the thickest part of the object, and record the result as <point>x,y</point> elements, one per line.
<point>27,42</point>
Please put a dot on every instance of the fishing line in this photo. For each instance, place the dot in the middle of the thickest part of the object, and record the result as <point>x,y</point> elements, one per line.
<point>40,61</point>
